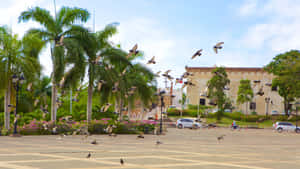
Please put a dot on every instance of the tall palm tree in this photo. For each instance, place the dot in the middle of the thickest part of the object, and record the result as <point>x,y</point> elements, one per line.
<point>17,57</point>
<point>55,30</point>
<point>86,49</point>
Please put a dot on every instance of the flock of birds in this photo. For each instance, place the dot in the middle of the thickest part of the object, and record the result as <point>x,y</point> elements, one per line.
<point>116,87</point>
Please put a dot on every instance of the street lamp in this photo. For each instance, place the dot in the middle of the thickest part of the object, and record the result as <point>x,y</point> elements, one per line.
<point>267,100</point>
<point>17,81</point>
<point>161,94</point>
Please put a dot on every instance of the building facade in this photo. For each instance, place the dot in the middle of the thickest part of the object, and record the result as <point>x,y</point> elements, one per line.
<point>258,77</point>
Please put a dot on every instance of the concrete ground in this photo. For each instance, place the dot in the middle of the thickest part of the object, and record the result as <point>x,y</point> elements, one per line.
<point>181,149</point>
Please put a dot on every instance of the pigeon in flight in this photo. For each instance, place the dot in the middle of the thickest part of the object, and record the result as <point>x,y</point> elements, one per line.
<point>29,87</point>
<point>198,53</point>
<point>133,51</point>
<point>152,60</point>
<point>100,84</point>
<point>105,107</point>
<point>218,46</point>
<point>186,74</point>
<point>157,73</point>
<point>260,91</point>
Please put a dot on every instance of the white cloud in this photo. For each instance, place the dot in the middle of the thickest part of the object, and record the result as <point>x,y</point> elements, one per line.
<point>279,31</point>
<point>248,8</point>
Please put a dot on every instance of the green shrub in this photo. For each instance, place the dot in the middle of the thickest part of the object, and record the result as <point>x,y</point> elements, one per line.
<point>253,113</point>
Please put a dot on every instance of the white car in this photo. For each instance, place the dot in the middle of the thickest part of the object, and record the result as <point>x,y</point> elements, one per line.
<point>187,123</point>
<point>285,126</point>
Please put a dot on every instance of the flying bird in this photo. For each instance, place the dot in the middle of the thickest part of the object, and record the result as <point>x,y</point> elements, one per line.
<point>29,86</point>
<point>133,51</point>
<point>218,46</point>
<point>62,81</point>
<point>89,155</point>
<point>198,53</point>
<point>187,74</point>
<point>157,73</point>
<point>105,107</point>
<point>60,42</point>
<point>100,84</point>
<point>152,60</point>
<point>75,98</point>
<point>115,87</point>
<point>260,91</point>
<point>36,101</point>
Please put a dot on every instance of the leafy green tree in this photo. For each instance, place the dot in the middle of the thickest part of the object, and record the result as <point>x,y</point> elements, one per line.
<point>17,57</point>
<point>286,69</point>
<point>55,30</point>
<point>216,86</point>
<point>245,93</point>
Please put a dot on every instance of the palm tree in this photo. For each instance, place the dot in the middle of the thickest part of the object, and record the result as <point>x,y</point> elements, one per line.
<point>17,57</point>
<point>55,30</point>
<point>86,49</point>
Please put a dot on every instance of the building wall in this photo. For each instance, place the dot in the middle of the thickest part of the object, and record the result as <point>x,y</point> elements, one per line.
<point>203,74</point>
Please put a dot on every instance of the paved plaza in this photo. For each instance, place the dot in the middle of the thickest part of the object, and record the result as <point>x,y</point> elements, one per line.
<point>181,149</point>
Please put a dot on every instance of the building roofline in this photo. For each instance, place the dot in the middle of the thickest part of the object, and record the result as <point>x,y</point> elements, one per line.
<point>232,69</point>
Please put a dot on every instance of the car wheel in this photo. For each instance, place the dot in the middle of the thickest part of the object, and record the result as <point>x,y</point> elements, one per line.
<point>180,126</point>
<point>279,130</point>
<point>297,130</point>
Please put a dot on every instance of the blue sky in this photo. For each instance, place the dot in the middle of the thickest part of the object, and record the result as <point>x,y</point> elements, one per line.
<point>172,30</point>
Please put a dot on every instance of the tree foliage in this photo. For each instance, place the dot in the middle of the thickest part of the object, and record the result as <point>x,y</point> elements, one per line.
<point>286,68</point>
<point>216,86</point>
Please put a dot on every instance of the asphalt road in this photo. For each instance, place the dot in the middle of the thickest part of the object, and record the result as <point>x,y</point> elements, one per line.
<point>181,149</point>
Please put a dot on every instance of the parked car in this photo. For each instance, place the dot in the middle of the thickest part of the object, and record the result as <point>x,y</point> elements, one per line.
<point>286,126</point>
<point>187,123</point>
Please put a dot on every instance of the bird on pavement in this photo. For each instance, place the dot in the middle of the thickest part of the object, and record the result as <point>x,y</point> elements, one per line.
<point>89,155</point>
<point>198,53</point>
<point>152,60</point>
<point>140,136</point>
<point>121,161</point>
<point>218,46</point>
<point>94,142</point>
<point>158,142</point>
<point>220,138</point>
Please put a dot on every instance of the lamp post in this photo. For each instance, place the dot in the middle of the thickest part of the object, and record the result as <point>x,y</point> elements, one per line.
<point>267,100</point>
<point>16,82</point>
<point>161,94</point>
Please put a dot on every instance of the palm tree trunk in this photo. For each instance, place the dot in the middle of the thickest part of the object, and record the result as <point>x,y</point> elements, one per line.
<point>53,102</point>
<point>129,111</point>
<point>89,103</point>
<point>120,109</point>
<point>142,112</point>
<point>6,108</point>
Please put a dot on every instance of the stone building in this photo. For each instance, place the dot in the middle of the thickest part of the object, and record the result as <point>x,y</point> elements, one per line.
<point>196,94</point>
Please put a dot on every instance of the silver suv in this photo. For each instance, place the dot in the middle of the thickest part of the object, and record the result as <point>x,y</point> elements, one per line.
<point>281,126</point>
<point>187,123</point>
